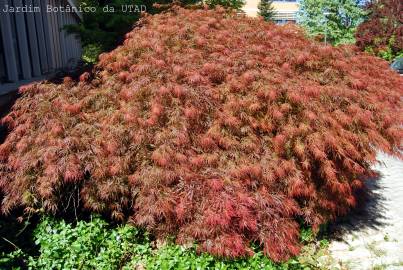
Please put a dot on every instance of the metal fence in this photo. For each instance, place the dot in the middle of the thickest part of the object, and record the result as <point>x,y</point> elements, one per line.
<point>32,40</point>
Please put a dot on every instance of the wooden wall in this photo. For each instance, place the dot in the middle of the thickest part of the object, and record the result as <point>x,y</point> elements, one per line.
<point>34,43</point>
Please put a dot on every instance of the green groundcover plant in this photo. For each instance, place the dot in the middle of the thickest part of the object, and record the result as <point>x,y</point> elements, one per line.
<point>94,244</point>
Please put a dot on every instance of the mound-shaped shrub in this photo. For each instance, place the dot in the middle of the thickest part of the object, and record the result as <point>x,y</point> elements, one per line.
<point>210,126</point>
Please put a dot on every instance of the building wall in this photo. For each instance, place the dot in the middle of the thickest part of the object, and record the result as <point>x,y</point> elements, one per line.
<point>250,7</point>
<point>285,10</point>
<point>34,44</point>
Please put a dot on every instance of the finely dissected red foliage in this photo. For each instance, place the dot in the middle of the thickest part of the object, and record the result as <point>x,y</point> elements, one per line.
<point>210,126</point>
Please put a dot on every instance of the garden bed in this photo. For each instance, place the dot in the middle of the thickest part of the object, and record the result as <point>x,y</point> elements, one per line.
<point>209,127</point>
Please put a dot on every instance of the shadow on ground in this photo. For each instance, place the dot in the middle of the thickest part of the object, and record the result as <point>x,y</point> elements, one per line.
<point>369,213</point>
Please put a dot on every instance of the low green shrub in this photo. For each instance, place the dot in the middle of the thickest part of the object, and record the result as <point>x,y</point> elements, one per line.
<point>88,245</point>
<point>97,245</point>
<point>91,53</point>
<point>11,260</point>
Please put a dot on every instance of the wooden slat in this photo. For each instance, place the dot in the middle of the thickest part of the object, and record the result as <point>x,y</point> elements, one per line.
<point>53,45</point>
<point>33,41</point>
<point>70,37</point>
<point>79,49</point>
<point>9,52</point>
<point>75,47</point>
<point>71,44</point>
<point>3,69</point>
<point>22,42</point>
<point>62,37</point>
<point>78,41</point>
<point>69,40</point>
<point>47,28</point>
<point>52,34</point>
<point>74,43</point>
<point>66,39</point>
<point>43,54</point>
<point>56,29</point>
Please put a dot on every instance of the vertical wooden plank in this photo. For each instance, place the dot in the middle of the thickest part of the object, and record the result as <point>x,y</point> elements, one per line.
<point>15,42</point>
<point>73,41</point>
<point>33,41</point>
<point>80,50</point>
<point>3,68</point>
<point>9,52</point>
<point>66,39</point>
<point>62,38</point>
<point>41,37</point>
<point>52,35</point>
<point>59,36</point>
<point>70,38</point>
<point>56,43</point>
<point>23,42</point>
<point>69,46</point>
<point>56,30</point>
<point>47,28</point>
<point>78,44</point>
<point>75,46</point>
<point>50,25</point>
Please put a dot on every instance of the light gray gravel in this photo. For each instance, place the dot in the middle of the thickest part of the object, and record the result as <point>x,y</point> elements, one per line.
<point>373,238</point>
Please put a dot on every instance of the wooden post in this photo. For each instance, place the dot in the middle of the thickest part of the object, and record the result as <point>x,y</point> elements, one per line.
<point>33,42</point>
<point>22,42</point>
<point>9,51</point>
<point>62,36</point>
<point>43,52</point>
<point>48,36</point>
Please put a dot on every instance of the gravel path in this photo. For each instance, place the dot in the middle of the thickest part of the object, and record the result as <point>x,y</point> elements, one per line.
<point>372,238</point>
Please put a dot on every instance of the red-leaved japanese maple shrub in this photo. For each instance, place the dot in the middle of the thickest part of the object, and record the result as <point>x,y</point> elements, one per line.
<point>210,126</point>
